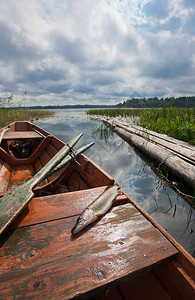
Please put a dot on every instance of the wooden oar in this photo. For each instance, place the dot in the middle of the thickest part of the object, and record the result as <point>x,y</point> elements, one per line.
<point>14,201</point>
<point>68,159</point>
<point>2,134</point>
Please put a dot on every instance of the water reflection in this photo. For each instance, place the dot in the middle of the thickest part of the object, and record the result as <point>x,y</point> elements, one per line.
<point>136,177</point>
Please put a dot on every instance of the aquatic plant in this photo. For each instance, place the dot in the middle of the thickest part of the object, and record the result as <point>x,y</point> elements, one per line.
<point>175,122</point>
<point>8,115</point>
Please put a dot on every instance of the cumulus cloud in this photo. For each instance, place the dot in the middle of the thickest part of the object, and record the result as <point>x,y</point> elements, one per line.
<point>97,52</point>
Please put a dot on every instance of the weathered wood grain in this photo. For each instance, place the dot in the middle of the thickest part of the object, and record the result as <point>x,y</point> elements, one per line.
<point>51,207</point>
<point>7,157</point>
<point>45,261</point>
<point>93,174</point>
<point>180,168</point>
<point>168,143</point>
<point>179,283</point>
<point>145,286</point>
<point>112,294</point>
<point>19,175</point>
<point>184,259</point>
<point>14,201</point>
<point>21,135</point>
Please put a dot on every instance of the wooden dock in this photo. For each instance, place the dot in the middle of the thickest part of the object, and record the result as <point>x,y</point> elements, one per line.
<point>177,156</point>
<point>40,259</point>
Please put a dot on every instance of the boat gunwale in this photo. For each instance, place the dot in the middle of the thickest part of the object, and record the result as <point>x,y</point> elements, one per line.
<point>188,258</point>
<point>183,258</point>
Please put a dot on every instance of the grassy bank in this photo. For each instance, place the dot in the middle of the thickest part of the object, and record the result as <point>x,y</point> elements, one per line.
<point>8,115</point>
<point>175,122</point>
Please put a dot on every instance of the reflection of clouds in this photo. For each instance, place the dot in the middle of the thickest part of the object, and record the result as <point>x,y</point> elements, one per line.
<point>130,172</point>
<point>178,227</point>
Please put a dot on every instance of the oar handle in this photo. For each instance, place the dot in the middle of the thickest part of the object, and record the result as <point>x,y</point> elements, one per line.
<point>54,162</point>
<point>68,159</point>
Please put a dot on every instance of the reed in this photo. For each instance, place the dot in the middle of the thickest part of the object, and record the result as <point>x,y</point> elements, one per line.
<point>175,122</point>
<point>8,115</point>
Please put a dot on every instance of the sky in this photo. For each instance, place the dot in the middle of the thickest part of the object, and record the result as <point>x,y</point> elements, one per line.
<point>60,52</point>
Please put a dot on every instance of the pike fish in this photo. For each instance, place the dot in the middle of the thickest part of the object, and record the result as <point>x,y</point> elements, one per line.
<point>97,208</point>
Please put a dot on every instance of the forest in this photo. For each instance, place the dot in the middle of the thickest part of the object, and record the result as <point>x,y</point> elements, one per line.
<point>182,102</point>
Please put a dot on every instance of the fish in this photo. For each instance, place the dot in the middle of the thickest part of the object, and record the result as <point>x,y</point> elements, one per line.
<point>97,208</point>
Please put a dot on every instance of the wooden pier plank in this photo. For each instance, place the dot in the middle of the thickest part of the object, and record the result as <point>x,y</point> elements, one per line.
<point>45,261</point>
<point>164,141</point>
<point>181,169</point>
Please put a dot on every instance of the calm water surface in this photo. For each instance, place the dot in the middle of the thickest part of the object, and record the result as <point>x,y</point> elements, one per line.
<point>135,177</point>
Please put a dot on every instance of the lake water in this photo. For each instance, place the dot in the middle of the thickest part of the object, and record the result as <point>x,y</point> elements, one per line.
<point>135,177</point>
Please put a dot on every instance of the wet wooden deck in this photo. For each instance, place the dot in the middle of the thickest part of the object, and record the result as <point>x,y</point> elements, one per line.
<point>40,259</point>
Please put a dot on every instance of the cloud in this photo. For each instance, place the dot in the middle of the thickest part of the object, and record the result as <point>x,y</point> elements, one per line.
<point>96,51</point>
<point>156,9</point>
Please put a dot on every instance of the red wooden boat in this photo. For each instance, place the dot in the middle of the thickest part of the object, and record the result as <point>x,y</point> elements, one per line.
<point>125,255</point>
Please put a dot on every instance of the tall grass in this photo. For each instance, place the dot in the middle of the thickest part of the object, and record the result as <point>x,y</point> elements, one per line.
<point>8,115</point>
<point>175,122</point>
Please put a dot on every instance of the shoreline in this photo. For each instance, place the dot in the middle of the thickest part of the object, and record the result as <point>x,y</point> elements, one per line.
<point>10,115</point>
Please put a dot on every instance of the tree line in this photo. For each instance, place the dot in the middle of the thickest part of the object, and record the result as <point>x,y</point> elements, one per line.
<point>156,102</point>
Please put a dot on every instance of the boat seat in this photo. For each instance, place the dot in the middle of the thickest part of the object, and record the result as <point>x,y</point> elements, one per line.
<point>17,135</point>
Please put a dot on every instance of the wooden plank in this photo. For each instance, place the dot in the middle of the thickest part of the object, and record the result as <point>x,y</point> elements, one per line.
<point>51,150</point>
<point>17,135</point>
<point>145,286</point>
<point>38,165</point>
<point>168,138</point>
<point>1,162</point>
<point>178,167</point>
<point>44,260</point>
<point>93,174</point>
<point>179,283</point>
<point>112,294</point>
<point>12,203</point>
<point>22,125</point>
<point>41,147</point>
<point>52,184</point>
<point>57,143</point>
<point>183,257</point>
<point>75,183</point>
<point>157,134</point>
<point>161,140</point>
<point>15,161</point>
<point>44,158</point>
<point>20,174</point>
<point>41,210</point>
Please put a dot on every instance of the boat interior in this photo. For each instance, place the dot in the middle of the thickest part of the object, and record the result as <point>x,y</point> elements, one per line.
<point>25,149</point>
<point>122,256</point>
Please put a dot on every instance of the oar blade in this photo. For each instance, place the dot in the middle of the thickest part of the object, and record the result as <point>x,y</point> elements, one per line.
<point>12,203</point>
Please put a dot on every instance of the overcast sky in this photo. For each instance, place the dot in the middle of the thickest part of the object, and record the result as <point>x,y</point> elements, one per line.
<point>96,51</point>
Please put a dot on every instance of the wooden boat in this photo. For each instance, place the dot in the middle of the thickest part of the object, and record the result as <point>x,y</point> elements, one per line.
<point>125,255</point>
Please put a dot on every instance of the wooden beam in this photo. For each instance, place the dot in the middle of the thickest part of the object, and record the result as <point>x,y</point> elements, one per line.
<point>45,260</point>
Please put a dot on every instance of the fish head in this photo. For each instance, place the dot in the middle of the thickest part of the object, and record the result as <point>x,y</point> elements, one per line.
<point>84,219</point>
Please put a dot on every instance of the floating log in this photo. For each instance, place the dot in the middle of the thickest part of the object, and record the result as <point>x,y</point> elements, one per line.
<point>179,163</point>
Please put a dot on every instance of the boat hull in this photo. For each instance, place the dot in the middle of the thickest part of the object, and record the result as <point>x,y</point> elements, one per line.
<point>124,255</point>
